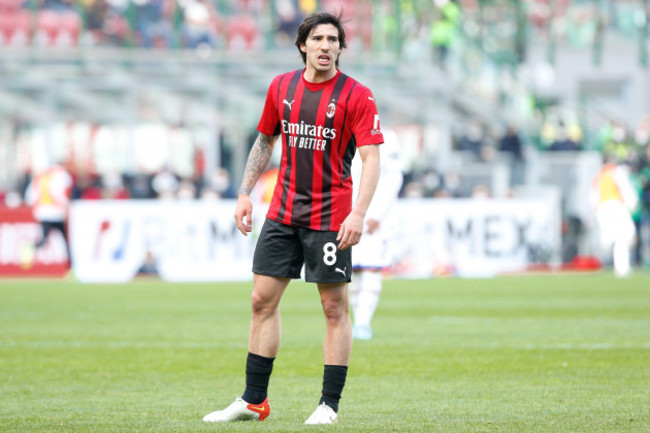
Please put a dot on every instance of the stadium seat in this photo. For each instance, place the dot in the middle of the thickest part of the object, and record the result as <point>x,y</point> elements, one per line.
<point>6,28</point>
<point>10,6</point>
<point>58,28</point>
<point>242,32</point>
<point>15,28</point>
<point>70,28</point>
<point>47,28</point>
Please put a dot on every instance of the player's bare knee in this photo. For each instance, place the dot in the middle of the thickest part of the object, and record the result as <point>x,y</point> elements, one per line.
<point>335,310</point>
<point>262,305</point>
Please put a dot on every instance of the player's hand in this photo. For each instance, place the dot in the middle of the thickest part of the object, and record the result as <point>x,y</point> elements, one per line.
<point>371,225</point>
<point>350,231</point>
<point>244,214</point>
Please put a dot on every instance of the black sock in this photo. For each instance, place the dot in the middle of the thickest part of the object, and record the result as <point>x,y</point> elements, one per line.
<point>258,372</point>
<point>333,382</point>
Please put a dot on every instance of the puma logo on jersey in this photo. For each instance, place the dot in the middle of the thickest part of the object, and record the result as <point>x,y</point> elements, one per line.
<point>341,270</point>
<point>288,103</point>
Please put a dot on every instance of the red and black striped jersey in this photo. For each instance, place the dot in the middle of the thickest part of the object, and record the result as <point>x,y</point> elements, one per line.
<point>321,125</point>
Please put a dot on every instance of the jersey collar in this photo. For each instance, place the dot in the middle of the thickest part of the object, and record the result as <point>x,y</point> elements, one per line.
<point>314,87</point>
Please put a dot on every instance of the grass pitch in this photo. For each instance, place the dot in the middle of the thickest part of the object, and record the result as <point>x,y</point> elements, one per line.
<point>566,353</point>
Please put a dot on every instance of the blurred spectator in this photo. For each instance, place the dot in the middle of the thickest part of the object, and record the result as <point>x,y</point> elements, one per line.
<point>115,28</point>
<point>186,190</point>
<point>96,14</point>
<point>208,193</point>
<point>165,183</point>
<point>642,132</point>
<point>452,183</point>
<point>288,17</point>
<point>620,145</point>
<point>139,186</point>
<point>472,140</point>
<point>440,193</point>
<point>219,181</point>
<point>488,152</point>
<point>149,265</point>
<point>106,24</point>
<point>152,29</point>
<point>430,181</point>
<point>510,143</point>
<point>87,186</point>
<point>564,141</point>
<point>480,191</point>
<point>58,5</point>
<point>198,24</point>
<point>113,186</point>
<point>413,189</point>
<point>443,29</point>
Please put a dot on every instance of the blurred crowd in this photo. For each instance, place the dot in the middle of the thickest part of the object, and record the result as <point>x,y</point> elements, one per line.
<point>164,184</point>
<point>194,24</point>
<point>123,23</point>
<point>478,143</point>
<point>501,26</point>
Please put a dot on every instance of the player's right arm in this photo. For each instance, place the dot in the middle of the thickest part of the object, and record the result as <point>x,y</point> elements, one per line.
<point>258,160</point>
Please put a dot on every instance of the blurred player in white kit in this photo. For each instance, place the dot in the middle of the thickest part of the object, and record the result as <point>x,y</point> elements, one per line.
<point>374,252</point>
<point>49,196</point>
<point>614,198</point>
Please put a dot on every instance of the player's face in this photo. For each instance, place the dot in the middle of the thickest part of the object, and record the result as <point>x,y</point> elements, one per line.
<point>322,49</point>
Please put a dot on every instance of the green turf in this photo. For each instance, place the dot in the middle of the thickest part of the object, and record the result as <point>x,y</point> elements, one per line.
<point>564,353</point>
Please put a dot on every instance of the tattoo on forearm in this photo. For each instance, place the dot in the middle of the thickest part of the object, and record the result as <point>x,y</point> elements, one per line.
<point>258,160</point>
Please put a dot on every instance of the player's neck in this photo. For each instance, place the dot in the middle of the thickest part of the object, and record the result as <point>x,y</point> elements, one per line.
<point>313,75</point>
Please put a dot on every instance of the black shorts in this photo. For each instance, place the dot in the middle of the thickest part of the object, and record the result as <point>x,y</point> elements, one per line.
<point>282,249</point>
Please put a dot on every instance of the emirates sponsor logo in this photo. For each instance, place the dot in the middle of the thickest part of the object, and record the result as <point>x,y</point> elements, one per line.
<point>308,130</point>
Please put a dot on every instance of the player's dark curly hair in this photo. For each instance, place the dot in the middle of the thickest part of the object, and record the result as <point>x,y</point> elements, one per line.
<point>316,19</point>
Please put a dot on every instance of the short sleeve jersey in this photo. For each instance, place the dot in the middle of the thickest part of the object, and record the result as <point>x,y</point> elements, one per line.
<point>321,126</point>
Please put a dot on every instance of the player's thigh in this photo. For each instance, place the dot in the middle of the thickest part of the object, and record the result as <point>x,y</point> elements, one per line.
<point>278,252</point>
<point>324,262</point>
<point>268,290</point>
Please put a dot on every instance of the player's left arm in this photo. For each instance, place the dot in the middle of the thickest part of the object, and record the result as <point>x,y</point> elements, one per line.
<point>365,126</point>
<point>352,227</point>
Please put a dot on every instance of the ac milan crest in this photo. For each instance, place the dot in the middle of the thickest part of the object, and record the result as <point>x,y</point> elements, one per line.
<point>331,109</point>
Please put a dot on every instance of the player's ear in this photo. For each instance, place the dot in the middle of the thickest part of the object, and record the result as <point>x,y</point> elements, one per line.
<point>303,48</point>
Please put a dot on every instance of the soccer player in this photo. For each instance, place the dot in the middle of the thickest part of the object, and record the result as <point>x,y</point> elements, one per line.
<point>614,198</point>
<point>323,117</point>
<point>49,195</point>
<point>373,254</point>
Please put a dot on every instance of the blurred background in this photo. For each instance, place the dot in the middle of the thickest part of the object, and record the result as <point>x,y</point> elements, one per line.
<point>491,99</point>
